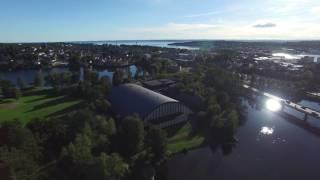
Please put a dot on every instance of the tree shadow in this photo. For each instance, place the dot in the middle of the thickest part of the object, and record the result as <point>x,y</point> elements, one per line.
<point>54,102</point>
<point>37,92</point>
<point>5,101</point>
<point>67,110</point>
<point>42,98</point>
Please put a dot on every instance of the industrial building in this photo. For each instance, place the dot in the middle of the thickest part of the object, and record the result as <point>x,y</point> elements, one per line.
<point>158,84</point>
<point>152,107</point>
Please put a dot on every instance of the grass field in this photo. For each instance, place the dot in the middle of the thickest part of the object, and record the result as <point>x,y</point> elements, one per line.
<point>38,103</point>
<point>183,141</point>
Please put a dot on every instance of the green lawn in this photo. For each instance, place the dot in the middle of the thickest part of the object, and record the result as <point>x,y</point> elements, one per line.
<point>39,103</point>
<point>182,140</point>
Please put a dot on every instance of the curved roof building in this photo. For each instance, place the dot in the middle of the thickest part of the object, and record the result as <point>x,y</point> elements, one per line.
<point>151,106</point>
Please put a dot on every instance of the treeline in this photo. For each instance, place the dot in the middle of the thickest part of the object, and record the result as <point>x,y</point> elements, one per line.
<point>10,90</point>
<point>216,98</point>
<point>89,143</point>
<point>83,145</point>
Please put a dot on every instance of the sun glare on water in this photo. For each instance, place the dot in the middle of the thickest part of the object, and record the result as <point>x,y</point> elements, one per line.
<point>266,130</point>
<point>273,105</point>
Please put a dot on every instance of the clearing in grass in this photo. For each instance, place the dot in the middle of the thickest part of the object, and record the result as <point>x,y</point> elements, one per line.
<point>36,103</point>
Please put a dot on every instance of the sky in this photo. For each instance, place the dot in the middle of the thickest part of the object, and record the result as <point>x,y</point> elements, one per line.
<point>82,20</point>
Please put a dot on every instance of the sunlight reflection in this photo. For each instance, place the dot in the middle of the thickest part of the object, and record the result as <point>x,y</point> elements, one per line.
<point>273,105</point>
<point>266,130</point>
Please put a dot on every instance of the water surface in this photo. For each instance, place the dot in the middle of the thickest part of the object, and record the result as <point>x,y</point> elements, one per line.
<point>270,147</point>
<point>28,74</point>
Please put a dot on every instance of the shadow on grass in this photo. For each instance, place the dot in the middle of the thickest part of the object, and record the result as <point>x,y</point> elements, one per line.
<point>54,102</point>
<point>36,92</point>
<point>5,101</point>
<point>67,110</point>
<point>41,98</point>
<point>47,93</point>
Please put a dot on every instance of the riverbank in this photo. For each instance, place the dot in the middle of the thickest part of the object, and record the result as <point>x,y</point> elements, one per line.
<point>270,147</point>
<point>182,141</point>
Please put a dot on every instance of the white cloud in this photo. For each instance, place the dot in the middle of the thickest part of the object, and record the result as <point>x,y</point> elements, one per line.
<point>202,14</point>
<point>231,30</point>
<point>289,19</point>
<point>265,25</point>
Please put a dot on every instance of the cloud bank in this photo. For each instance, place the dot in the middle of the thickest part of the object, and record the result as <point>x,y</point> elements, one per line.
<point>265,25</point>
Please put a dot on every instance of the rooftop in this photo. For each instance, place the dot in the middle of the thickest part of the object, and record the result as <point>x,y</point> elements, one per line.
<point>127,99</point>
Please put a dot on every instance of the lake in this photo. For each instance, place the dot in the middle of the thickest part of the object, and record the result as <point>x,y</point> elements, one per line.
<point>154,43</point>
<point>28,74</point>
<point>271,146</point>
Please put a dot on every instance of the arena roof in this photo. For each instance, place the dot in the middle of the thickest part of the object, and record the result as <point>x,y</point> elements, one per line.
<point>127,99</point>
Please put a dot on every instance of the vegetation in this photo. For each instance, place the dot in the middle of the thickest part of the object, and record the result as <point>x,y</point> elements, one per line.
<point>36,103</point>
<point>183,140</point>
<point>9,90</point>
<point>73,133</point>
<point>214,96</point>
<point>20,82</point>
<point>118,78</point>
<point>86,142</point>
<point>38,80</point>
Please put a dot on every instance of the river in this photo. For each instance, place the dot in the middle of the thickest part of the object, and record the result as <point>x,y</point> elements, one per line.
<point>271,146</point>
<point>28,74</point>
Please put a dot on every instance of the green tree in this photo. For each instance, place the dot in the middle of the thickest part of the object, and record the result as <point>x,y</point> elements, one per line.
<point>91,76</point>
<point>20,82</point>
<point>112,167</point>
<point>103,131</point>
<point>22,152</point>
<point>132,135</point>
<point>156,139</point>
<point>10,91</point>
<point>59,81</point>
<point>7,88</point>
<point>38,80</point>
<point>105,85</point>
<point>16,93</point>
<point>75,63</point>
<point>118,78</point>
<point>102,106</point>
<point>79,151</point>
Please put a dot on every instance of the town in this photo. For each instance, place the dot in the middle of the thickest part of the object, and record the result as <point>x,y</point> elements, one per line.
<point>180,98</point>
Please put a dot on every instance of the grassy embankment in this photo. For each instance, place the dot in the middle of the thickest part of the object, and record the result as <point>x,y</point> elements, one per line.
<point>182,141</point>
<point>36,103</point>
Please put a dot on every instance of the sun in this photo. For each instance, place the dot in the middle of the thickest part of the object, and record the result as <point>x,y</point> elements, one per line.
<point>273,105</point>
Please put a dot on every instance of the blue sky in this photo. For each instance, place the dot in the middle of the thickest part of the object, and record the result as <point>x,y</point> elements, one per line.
<point>72,20</point>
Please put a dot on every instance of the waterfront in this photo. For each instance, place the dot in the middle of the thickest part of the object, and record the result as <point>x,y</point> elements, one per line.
<point>272,145</point>
<point>153,43</point>
<point>28,74</point>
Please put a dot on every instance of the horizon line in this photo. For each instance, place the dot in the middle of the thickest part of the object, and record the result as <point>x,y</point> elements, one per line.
<point>121,40</point>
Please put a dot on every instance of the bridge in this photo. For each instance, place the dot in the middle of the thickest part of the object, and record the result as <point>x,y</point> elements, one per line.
<point>307,111</point>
